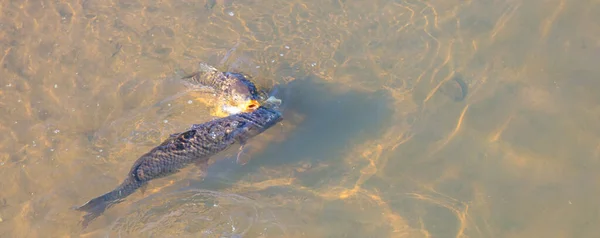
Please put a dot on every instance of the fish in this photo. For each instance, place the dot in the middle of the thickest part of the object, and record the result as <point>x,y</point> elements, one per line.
<point>235,92</point>
<point>194,146</point>
<point>456,88</point>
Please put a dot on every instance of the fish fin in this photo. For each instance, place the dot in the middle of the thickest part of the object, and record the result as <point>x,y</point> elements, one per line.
<point>202,68</point>
<point>180,73</point>
<point>98,205</point>
<point>196,126</point>
<point>169,139</point>
<point>206,68</point>
<point>144,188</point>
<point>242,158</point>
<point>272,102</point>
<point>184,75</point>
<point>205,77</point>
<point>201,164</point>
<point>95,207</point>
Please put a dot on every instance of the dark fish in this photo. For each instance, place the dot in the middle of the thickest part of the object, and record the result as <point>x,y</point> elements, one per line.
<point>456,88</point>
<point>181,149</point>
<point>236,91</point>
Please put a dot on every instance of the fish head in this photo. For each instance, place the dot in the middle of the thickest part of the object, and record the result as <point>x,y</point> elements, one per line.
<point>242,95</point>
<point>254,123</point>
<point>231,107</point>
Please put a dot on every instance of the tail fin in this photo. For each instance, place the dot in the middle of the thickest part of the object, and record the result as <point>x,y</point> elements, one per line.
<point>96,207</point>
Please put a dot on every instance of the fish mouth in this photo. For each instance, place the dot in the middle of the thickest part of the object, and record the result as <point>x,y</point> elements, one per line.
<point>234,107</point>
<point>251,106</point>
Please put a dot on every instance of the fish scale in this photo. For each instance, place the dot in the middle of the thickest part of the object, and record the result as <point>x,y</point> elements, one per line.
<point>181,149</point>
<point>237,92</point>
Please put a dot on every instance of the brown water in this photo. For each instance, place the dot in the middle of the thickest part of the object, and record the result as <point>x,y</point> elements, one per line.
<point>376,142</point>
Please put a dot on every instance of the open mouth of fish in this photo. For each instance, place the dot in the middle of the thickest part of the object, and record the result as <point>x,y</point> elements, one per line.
<point>235,108</point>
<point>250,105</point>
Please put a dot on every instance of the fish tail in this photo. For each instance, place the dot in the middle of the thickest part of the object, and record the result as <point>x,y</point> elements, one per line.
<point>96,207</point>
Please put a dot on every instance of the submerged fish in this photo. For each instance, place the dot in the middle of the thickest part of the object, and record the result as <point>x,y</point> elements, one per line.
<point>235,92</point>
<point>181,149</point>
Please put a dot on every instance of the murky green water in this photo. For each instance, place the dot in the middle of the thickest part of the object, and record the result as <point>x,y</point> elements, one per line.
<point>377,141</point>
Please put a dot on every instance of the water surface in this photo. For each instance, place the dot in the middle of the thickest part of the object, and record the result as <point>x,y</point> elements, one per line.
<point>403,118</point>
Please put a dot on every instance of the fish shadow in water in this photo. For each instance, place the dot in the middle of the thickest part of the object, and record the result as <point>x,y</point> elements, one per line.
<point>334,120</point>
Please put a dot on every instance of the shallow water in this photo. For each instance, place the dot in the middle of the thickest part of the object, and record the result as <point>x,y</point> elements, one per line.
<point>381,138</point>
